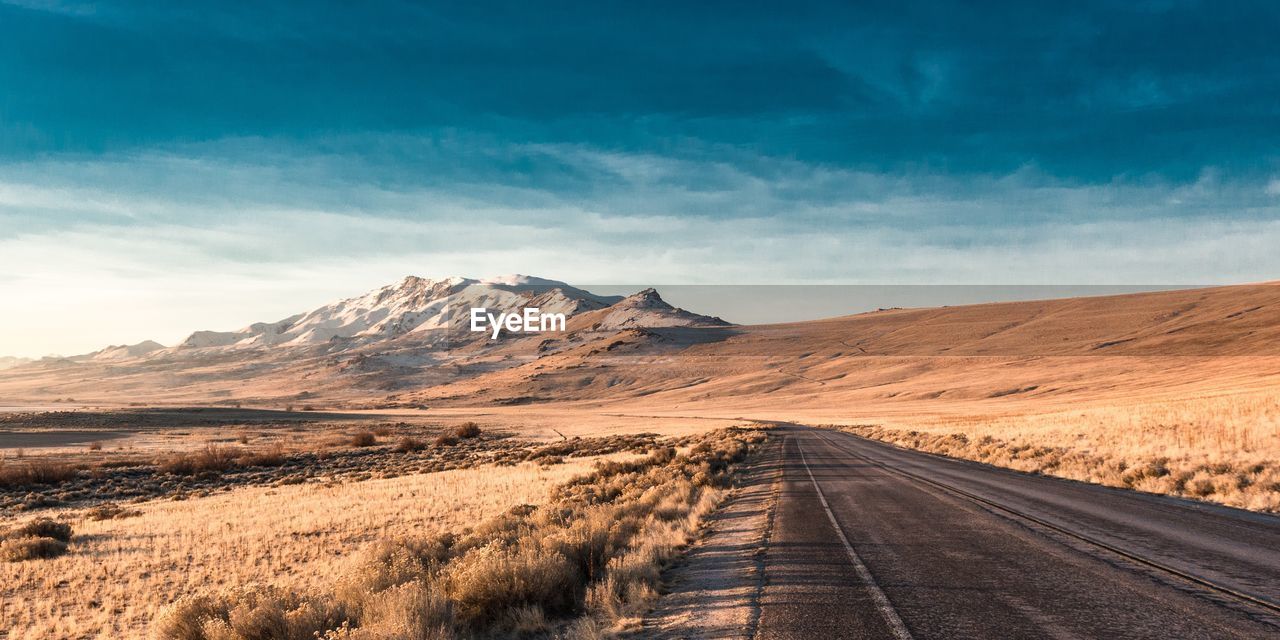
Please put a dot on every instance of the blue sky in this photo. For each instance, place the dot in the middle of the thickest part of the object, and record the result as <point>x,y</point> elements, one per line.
<point>169,168</point>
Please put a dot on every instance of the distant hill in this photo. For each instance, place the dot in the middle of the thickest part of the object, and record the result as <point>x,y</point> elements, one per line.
<point>407,344</point>
<point>7,362</point>
<point>1197,341</point>
<point>410,333</point>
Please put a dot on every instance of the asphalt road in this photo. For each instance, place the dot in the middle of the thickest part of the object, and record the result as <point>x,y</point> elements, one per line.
<point>872,541</point>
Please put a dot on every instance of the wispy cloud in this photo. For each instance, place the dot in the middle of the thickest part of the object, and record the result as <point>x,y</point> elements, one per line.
<point>207,164</point>
<point>171,242</point>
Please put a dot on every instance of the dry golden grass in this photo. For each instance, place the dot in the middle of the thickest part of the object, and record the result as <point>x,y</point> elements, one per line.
<point>1221,448</point>
<point>120,573</point>
<point>586,562</point>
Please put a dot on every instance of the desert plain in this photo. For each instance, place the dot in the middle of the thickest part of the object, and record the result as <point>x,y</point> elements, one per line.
<point>383,488</point>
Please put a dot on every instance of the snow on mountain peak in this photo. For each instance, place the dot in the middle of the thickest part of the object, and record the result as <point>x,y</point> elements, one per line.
<point>520,280</point>
<point>414,305</point>
<point>122,352</point>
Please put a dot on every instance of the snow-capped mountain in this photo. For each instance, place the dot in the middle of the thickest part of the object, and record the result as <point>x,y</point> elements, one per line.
<point>416,313</point>
<point>120,352</point>
<point>412,305</point>
<point>414,334</point>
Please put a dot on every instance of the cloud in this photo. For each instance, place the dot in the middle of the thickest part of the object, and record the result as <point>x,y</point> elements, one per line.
<point>1085,93</point>
<point>209,164</point>
<point>78,9</point>
<point>153,245</point>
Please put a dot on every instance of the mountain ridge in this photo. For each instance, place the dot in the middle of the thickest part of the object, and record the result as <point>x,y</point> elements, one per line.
<point>1046,350</point>
<point>408,306</point>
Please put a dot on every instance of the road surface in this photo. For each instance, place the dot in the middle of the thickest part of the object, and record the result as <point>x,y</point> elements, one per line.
<point>871,541</point>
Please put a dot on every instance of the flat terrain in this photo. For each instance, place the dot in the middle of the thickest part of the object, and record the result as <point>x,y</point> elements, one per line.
<point>1152,410</point>
<point>41,439</point>
<point>872,541</point>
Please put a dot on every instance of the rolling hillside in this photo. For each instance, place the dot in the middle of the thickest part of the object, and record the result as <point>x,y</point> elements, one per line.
<point>385,349</point>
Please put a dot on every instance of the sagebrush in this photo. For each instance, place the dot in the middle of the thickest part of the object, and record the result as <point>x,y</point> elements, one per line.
<point>590,558</point>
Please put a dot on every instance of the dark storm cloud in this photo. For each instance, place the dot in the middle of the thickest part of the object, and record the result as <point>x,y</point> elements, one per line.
<point>1088,91</point>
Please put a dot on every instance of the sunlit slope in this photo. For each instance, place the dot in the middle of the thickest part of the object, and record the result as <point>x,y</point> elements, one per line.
<point>644,354</point>
<point>1237,320</point>
<point>1140,345</point>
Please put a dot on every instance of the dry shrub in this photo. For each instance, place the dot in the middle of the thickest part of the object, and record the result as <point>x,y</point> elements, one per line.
<point>588,628</point>
<point>19,549</point>
<point>110,511</point>
<point>409,444</point>
<point>578,446</point>
<point>598,547</point>
<point>363,439</point>
<point>42,528</point>
<point>42,538</point>
<point>498,578</point>
<point>406,610</point>
<point>630,585</point>
<point>185,619</point>
<point>467,430</point>
<point>32,472</point>
<point>446,440</point>
<point>271,457</point>
<point>252,613</point>
<point>211,458</point>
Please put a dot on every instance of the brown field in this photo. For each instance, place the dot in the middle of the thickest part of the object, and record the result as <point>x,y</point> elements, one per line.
<point>1172,393</point>
<point>205,511</point>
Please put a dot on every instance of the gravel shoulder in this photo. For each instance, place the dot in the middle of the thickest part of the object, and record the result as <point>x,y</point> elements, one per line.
<point>715,591</point>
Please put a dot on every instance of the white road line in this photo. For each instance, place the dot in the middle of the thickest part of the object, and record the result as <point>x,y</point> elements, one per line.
<point>882,601</point>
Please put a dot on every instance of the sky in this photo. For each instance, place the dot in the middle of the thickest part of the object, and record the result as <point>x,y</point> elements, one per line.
<point>166,167</point>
